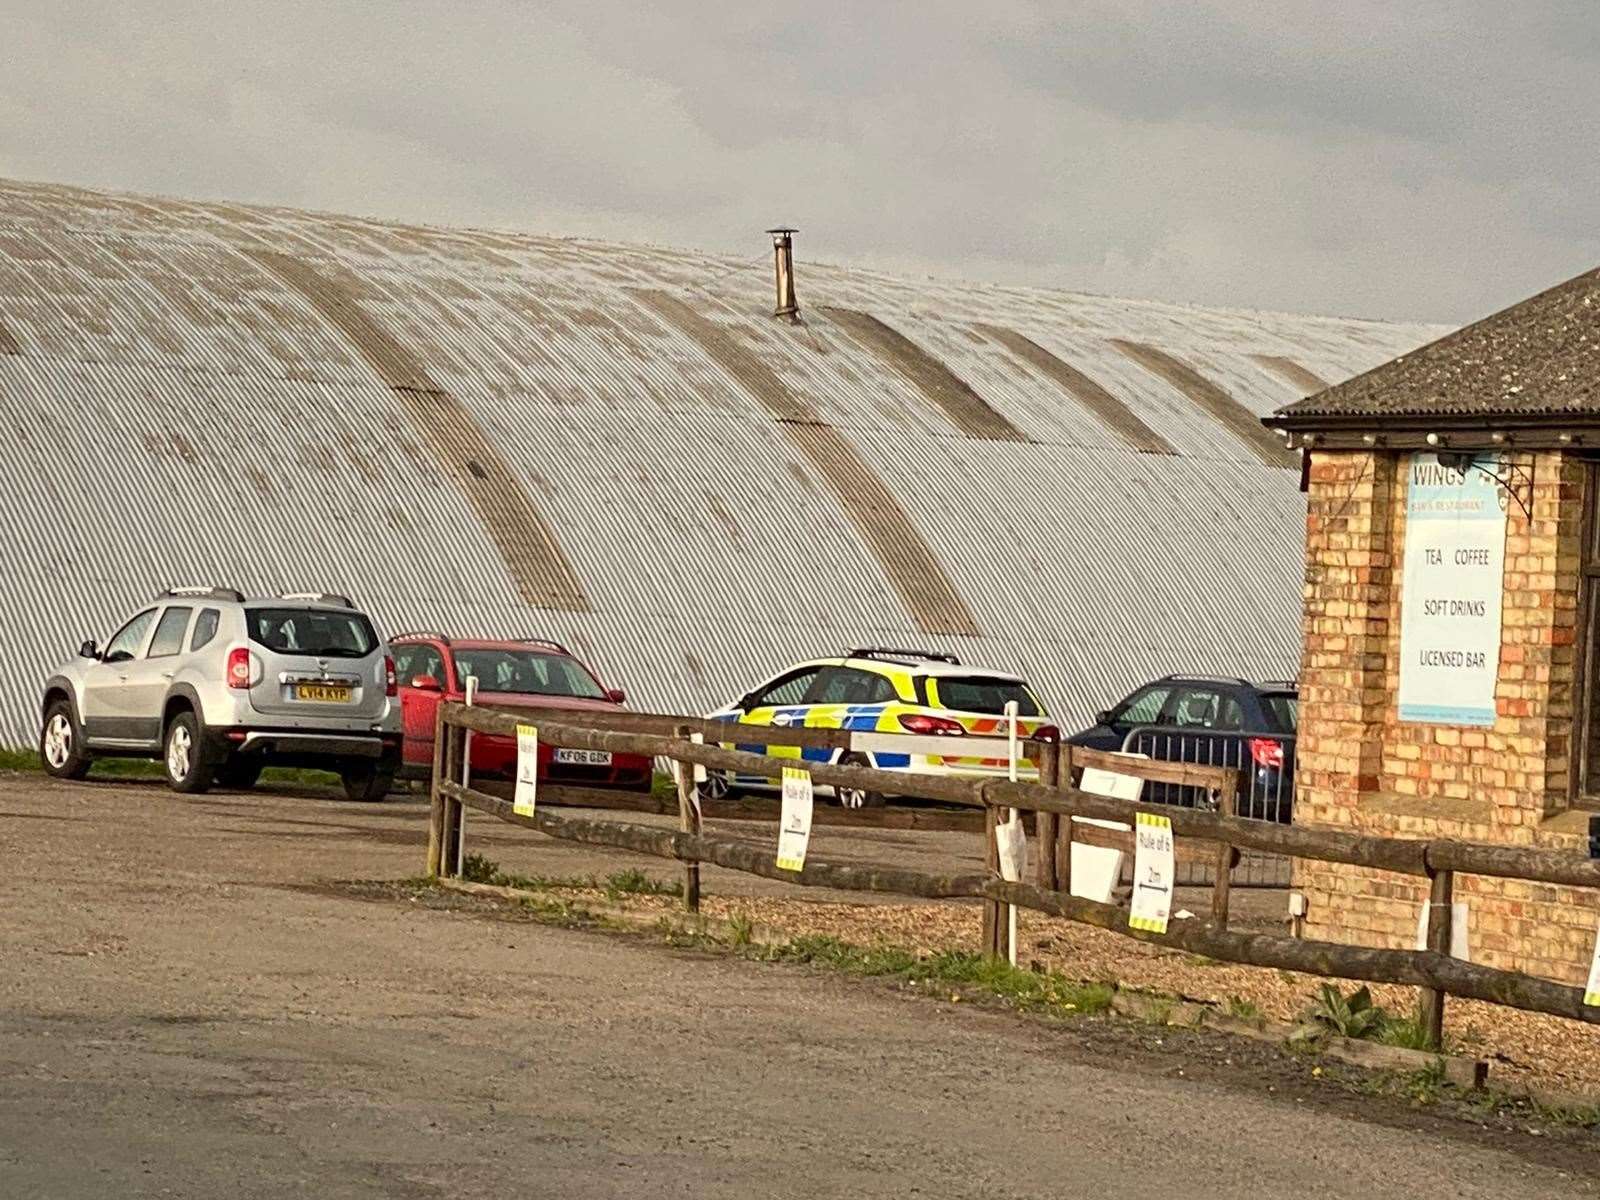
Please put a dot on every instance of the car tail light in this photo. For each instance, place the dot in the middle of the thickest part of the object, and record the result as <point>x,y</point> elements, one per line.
<point>240,668</point>
<point>1266,752</point>
<point>391,685</point>
<point>1046,733</point>
<point>932,726</point>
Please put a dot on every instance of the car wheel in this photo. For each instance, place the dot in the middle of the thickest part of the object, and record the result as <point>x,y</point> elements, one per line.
<point>61,745</point>
<point>240,774</point>
<point>367,782</point>
<point>857,798</point>
<point>188,764</point>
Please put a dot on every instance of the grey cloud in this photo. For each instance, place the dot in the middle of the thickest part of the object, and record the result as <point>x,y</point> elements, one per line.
<point>1426,160</point>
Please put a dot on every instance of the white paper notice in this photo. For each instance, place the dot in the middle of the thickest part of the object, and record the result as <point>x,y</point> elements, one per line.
<point>1152,874</point>
<point>1013,843</point>
<point>1451,585</point>
<point>1591,990</point>
<point>527,793</point>
<point>1459,947</point>
<point>699,739</point>
<point>794,827</point>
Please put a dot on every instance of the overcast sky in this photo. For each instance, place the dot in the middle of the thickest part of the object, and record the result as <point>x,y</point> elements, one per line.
<point>1417,160</point>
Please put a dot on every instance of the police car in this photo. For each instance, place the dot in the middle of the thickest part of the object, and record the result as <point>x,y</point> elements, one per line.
<point>887,691</point>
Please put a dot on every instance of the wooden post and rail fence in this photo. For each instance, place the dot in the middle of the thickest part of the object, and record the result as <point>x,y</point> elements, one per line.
<point>1213,836</point>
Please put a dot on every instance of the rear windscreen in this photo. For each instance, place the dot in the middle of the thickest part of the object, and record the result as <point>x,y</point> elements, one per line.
<point>1283,711</point>
<point>978,694</point>
<point>311,631</point>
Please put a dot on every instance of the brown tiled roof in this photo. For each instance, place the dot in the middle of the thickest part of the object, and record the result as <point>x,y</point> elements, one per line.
<point>1535,359</point>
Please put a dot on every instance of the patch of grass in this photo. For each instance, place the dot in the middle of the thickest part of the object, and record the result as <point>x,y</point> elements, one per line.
<point>634,882</point>
<point>25,758</point>
<point>1402,1031</point>
<point>1243,1009</point>
<point>741,931</point>
<point>17,758</point>
<point>476,868</point>
<point>1427,1085</point>
<point>1027,990</point>
<point>664,788</point>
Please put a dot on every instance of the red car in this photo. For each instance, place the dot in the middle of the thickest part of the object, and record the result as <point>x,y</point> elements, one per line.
<point>529,673</point>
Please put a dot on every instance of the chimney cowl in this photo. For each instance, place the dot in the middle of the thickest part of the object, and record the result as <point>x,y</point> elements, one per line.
<point>783,272</point>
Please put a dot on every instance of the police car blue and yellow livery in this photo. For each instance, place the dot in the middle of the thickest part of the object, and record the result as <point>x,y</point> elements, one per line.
<point>891,692</point>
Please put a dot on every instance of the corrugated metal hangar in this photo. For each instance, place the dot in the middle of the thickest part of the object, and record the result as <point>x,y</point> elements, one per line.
<point>620,447</point>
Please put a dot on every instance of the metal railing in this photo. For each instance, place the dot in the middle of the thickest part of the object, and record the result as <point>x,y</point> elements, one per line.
<point>1266,765</point>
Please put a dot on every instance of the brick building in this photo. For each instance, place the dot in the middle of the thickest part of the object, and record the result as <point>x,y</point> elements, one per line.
<point>1448,684</point>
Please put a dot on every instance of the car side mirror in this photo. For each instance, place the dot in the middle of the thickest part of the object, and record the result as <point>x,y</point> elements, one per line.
<point>1105,717</point>
<point>427,683</point>
<point>89,650</point>
<point>746,702</point>
<point>615,696</point>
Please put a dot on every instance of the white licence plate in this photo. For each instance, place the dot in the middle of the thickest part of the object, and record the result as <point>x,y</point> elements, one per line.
<point>584,758</point>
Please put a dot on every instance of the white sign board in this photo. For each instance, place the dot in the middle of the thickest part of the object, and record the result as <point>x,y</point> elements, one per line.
<point>1591,990</point>
<point>1452,582</point>
<point>794,826</point>
<point>1152,873</point>
<point>527,792</point>
<point>1460,947</point>
<point>1013,845</point>
<point>1096,870</point>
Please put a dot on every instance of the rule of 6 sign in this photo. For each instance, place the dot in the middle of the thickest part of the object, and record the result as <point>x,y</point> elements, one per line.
<point>794,827</point>
<point>527,792</point>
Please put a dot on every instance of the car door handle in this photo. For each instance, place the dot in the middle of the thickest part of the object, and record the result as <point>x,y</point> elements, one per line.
<point>166,674</point>
<point>782,719</point>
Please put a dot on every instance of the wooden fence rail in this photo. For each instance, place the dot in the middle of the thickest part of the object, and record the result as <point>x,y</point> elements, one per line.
<point>1050,800</point>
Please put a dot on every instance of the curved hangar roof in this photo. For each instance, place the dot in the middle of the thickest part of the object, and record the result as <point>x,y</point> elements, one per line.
<point>619,447</point>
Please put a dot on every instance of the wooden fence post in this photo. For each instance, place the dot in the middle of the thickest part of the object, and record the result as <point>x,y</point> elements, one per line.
<point>450,841</point>
<point>1430,1008</point>
<point>436,800</point>
<point>689,822</point>
<point>1046,824</point>
<point>996,926</point>
<point>1063,847</point>
<point>1222,885</point>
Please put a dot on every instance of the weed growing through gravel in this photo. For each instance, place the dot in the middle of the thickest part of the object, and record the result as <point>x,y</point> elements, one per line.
<point>1356,1016</point>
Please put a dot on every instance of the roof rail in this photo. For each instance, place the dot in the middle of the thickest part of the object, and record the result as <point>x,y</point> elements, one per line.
<point>1287,684</point>
<point>203,592</point>
<point>889,652</point>
<point>1180,677</point>
<point>543,641</point>
<point>420,633</point>
<point>318,598</point>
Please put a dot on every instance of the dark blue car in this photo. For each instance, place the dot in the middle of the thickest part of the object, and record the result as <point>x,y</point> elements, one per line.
<point>1211,721</point>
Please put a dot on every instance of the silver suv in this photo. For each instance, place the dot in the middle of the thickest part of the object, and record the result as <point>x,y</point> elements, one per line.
<point>219,687</point>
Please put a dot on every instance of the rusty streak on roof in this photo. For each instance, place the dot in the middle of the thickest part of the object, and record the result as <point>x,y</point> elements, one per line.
<point>928,593</point>
<point>968,410</point>
<point>1223,408</point>
<point>1113,412</point>
<point>459,447</point>
<point>1539,358</point>
<point>1285,368</point>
